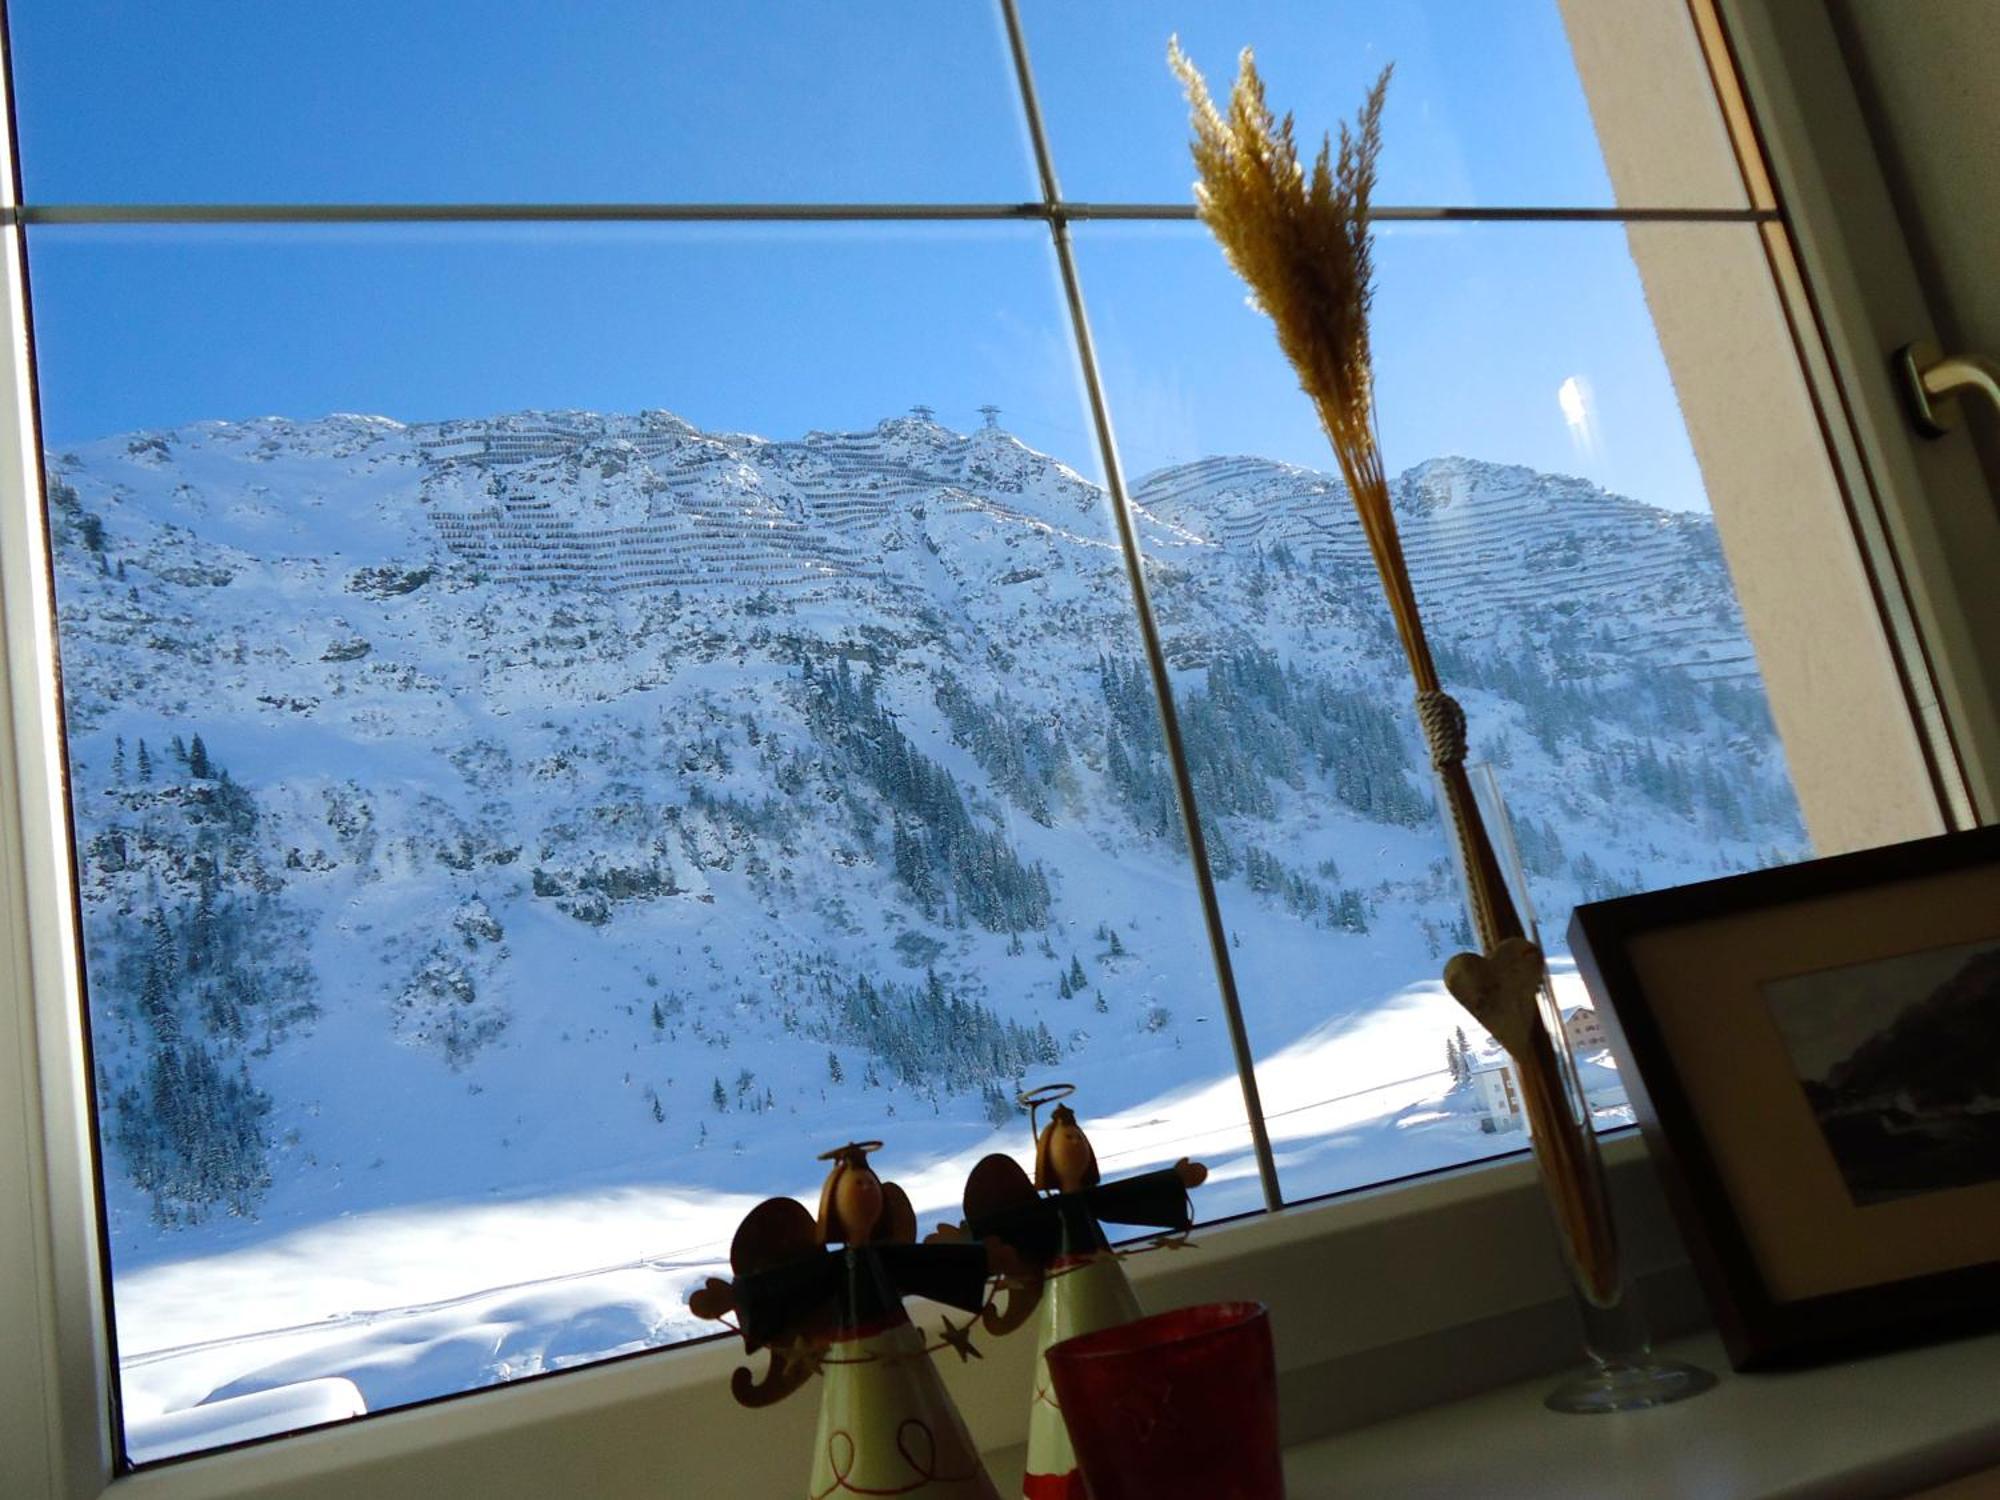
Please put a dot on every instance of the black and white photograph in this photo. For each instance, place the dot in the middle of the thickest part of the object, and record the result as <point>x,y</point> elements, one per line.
<point>1900,1059</point>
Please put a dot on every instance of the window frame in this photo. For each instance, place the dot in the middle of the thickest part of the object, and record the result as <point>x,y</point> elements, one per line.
<point>1922,511</point>
<point>1472,1243</point>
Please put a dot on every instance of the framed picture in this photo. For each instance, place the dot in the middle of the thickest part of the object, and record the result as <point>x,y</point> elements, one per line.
<point>1813,1054</point>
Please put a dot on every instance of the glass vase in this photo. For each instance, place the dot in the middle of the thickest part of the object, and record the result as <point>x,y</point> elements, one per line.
<point>1623,1373</point>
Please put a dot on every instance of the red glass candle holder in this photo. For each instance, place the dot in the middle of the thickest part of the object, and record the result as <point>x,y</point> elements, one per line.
<point>1179,1406</point>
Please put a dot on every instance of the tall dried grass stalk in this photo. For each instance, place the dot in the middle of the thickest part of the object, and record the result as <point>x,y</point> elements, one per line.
<point>1301,241</point>
<point>1302,244</point>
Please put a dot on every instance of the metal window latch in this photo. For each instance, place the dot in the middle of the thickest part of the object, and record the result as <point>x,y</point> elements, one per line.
<point>1931,379</point>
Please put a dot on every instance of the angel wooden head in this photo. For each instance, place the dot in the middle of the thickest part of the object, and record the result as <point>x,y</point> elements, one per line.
<point>852,1200</point>
<point>1065,1161</point>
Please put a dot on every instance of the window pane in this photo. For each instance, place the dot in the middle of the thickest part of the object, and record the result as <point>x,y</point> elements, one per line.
<point>557,741</point>
<point>469,101</point>
<point>1486,107</point>
<point>1576,598</point>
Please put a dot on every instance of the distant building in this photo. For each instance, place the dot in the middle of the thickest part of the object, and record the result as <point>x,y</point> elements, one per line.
<point>1583,1028</point>
<point>1498,1092</point>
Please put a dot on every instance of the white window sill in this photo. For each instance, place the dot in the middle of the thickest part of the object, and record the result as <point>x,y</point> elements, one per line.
<point>1402,1316</point>
<point>1383,1302</point>
<point>1888,1426</point>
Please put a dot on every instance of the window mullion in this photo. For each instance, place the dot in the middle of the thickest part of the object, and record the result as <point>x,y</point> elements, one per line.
<point>1149,634</point>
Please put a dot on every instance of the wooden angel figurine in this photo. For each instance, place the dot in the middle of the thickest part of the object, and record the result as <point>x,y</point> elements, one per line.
<point>1055,1225</point>
<point>826,1296</point>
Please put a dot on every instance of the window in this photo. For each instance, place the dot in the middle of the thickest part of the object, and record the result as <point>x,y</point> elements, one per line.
<point>709,714</point>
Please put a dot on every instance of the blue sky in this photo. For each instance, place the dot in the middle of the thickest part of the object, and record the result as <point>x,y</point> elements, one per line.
<point>780,329</point>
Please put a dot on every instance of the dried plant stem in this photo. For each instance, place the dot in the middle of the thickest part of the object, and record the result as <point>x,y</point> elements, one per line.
<point>1301,241</point>
<point>1573,1178</point>
<point>1369,489</point>
<point>1494,915</point>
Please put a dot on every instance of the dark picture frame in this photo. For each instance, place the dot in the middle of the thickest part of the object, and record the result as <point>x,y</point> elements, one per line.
<point>1807,1051</point>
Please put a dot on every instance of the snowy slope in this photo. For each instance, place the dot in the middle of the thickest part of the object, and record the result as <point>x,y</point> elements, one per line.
<point>552,830</point>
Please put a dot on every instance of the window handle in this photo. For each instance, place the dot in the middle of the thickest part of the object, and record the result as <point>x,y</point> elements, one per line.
<point>1930,379</point>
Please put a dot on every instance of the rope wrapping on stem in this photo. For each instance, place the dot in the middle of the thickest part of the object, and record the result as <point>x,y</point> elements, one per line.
<point>1443,724</point>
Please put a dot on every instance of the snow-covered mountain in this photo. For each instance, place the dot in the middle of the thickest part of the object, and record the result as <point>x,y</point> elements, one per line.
<point>480,811</point>
<point>1504,557</point>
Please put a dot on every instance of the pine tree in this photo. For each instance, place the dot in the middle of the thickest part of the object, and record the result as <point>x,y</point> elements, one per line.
<point>1117,948</point>
<point>1103,1008</point>
<point>833,1069</point>
<point>719,1098</point>
<point>178,749</point>
<point>999,1109</point>
<point>200,931</point>
<point>193,1136</point>
<point>1076,975</point>
<point>659,1114</point>
<point>1047,1051</point>
<point>153,999</point>
<point>163,957</point>
<point>659,1017</point>
<point>1352,912</point>
<point>145,763</point>
<point>198,760</point>
<point>1063,986</point>
<point>118,760</point>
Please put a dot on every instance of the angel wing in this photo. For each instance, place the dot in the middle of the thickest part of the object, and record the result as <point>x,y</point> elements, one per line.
<point>996,1184</point>
<point>775,1231</point>
<point>898,1224</point>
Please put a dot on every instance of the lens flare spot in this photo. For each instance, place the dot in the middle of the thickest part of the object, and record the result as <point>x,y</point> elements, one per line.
<point>1579,414</point>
